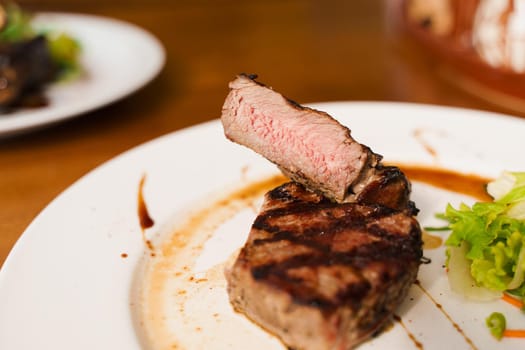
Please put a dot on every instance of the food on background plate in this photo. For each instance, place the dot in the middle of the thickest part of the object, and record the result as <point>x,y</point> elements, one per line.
<point>333,253</point>
<point>30,59</point>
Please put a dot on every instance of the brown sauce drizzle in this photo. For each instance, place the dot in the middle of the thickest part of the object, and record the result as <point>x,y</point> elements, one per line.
<point>418,135</point>
<point>446,314</point>
<point>411,335</point>
<point>199,223</point>
<point>469,184</point>
<point>145,219</point>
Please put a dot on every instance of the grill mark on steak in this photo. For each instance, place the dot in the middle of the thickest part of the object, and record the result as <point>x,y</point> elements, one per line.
<point>278,276</point>
<point>310,147</point>
<point>341,267</point>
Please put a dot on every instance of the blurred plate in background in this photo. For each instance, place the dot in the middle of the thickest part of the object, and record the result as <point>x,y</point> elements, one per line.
<point>118,59</point>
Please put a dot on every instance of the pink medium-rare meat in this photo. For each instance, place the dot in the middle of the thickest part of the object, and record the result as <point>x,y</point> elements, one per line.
<point>309,146</point>
<point>322,275</point>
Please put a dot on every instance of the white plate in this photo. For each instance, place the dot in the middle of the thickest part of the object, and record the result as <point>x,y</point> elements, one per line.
<point>118,59</point>
<point>66,285</point>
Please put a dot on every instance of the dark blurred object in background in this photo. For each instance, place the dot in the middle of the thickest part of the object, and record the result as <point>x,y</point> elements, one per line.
<point>481,44</point>
<point>25,68</point>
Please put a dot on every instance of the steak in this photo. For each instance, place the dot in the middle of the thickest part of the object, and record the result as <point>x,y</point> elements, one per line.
<point>334,252</point>
<point>324,275</point>
<point>310,146</point>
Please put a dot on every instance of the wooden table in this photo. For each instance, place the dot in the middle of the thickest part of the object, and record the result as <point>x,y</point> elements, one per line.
<point>309,50</point>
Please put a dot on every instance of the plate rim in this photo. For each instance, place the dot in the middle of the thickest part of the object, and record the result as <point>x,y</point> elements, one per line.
<point>143,149</point>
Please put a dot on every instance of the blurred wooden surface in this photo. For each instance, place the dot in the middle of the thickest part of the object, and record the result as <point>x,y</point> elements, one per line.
<point>309,50</point>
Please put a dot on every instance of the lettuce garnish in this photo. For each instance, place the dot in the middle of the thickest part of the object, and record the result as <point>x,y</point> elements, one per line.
<point>492,235</point>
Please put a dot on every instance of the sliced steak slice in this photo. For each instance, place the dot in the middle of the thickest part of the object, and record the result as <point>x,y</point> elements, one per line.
<point>309,146</point>
<point>324,275</point>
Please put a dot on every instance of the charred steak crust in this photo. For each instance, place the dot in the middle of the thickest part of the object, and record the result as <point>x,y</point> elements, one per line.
<point>324,275</point>
<point>388,187</point>
<point>309,146</point>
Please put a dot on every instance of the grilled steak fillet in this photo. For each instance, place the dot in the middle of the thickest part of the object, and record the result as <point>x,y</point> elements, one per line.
<point>309,146</point>
<point>324,275</point>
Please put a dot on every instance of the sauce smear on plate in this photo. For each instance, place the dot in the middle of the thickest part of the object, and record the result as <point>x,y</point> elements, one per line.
<point>469,184</point>
<point>180,306</point>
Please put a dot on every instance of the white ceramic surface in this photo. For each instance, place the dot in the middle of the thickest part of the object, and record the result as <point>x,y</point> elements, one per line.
<point>66,285</point>
<point>118,58</point>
